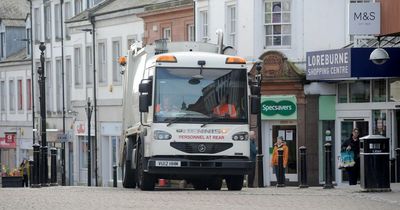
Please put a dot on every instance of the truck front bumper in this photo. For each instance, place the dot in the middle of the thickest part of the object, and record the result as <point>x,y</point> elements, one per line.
<point>199,166</point>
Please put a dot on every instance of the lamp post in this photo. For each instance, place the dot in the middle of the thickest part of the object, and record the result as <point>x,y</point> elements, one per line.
<point>42,89</point>
<point>259,143</point>
<point>89,110</point>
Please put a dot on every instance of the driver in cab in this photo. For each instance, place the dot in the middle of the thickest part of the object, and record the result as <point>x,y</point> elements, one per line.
<point>165,105</point>
<point>224,109</point>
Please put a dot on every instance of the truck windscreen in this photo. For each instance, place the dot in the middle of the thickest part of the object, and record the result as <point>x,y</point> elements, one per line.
<point>200,95</point>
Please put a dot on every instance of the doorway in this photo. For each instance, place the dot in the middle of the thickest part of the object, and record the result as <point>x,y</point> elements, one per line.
<point>346,129</point>
<point>289,135</point>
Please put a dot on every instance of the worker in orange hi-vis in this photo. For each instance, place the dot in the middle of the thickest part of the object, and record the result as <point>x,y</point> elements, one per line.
<point>225,109</point>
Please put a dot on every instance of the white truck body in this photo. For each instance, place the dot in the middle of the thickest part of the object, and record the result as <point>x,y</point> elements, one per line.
<point>188,142</point>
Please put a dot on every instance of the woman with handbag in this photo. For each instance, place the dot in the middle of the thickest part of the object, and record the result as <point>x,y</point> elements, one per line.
<point>353,144</point>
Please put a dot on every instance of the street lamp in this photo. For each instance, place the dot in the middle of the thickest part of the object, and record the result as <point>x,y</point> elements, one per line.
<point>89,110</point>
<point>260,175</point>
<point>42,89</point>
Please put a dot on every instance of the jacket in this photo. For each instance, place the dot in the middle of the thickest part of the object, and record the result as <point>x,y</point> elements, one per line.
<point>355,147</point>
<point>274,160</point>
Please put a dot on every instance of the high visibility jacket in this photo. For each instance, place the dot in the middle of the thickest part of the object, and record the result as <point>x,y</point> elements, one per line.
<point>225,109</point>
<point>274,160</point>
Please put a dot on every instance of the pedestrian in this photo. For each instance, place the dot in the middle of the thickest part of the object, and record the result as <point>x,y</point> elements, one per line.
<point>279,145</point>
<point>353,144</point>
<point>253,154</point>
<point>24,171</point>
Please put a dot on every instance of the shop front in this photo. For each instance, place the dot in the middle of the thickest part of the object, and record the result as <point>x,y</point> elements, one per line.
<point>367,95</point>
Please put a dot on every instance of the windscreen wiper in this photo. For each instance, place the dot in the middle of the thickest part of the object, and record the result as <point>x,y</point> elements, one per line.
<point>172,121</point>
<point>210,121</point>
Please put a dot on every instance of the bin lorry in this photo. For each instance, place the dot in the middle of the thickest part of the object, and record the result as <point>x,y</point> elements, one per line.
<point>185,116</point>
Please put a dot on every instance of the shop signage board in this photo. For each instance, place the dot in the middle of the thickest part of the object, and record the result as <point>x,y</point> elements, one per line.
<point>279,107</point>
<point>328,64</point>
<point>364,18</point>
<point>8,142</point>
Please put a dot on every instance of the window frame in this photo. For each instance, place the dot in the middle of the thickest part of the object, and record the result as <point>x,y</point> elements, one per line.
<point>11,95</point>
<point>3,95</point>
<point>78,80</point>
<point>273,24</point>
<point>89,65</point>
<point>204,32</point>
<point>47,22</point>
<point>117,77</point>
<point>231,24</point>
<point>102,62</point>
<point>20,97</point>
<point>28,94</point>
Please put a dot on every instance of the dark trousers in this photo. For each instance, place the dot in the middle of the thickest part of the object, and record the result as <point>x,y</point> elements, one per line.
<point>25,180</point>
<point>251,176</point>
<point>354,173</point>
<point>276,173</point>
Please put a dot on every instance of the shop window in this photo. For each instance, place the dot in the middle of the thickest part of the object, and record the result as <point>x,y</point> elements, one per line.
<point>394,90</point>
<point>379,122</point>
<point>379,90</point>
<point>359,91</point>
<point>342,93</point>
<point>83,151</point>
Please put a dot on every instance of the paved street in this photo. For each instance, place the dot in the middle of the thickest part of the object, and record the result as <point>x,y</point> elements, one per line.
<point>343,197</point>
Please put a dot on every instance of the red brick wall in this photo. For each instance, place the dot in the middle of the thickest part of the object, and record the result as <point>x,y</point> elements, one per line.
<point>390,16</point>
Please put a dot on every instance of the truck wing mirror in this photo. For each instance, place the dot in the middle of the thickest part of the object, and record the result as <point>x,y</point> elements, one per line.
<point>145,87</point>
<point>255,105</point>
<point>144,103</point>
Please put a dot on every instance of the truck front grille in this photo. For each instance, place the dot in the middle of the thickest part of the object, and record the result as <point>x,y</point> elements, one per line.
<point>199,147</point>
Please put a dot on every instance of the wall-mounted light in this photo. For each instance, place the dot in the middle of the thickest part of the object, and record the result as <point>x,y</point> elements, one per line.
<point>379,56</point>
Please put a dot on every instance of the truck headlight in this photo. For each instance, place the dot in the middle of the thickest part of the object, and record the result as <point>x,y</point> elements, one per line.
<point>162,135</point>
<point>241,136</point>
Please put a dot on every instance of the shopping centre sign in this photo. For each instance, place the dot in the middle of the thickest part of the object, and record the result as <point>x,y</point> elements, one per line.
<point>328,64</point>
<point>279,107</point>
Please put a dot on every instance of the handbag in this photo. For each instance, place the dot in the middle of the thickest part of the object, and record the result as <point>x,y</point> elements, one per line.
<point>346,159</point>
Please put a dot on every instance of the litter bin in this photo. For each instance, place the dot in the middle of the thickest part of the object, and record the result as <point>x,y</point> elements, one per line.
<point>374,163</point>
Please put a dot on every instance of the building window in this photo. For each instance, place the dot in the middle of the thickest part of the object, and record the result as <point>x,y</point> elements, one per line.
<point>204,26</point>
<point>89,66</point>
<point>68,73</point>
<point>379,122</point>
<point>190,33</point>
<point>2,45</point>
<point>67,15</point>
<point>360,1</point>
<point>359,91</point>
<point>37,26</point>
<point>102,63</point>
<point>57,16</point>
<point>77,67</point>
<point>47,22</point>
<point>231,25</point>
<point>394,90</point>
<point>379,90</point>
<point>28,43</point>
<point>19,91</point>
<point>11,88</point>
<point>83,150</point>
<point>78,6</point>
<point>167,34</point>
<point>116,46</point>
<point>59,83</point>
<point>342,93</point>
<point>29,94</point>
<point>277,23</point>
<point>3,95</point>
<point>132,40</point>
<point>49,87</point>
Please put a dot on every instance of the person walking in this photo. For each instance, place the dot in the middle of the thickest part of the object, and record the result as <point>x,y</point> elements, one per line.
<point>24,166</point>
<point>353,144</point>
<point>279,145</point>
<point>253,154</point>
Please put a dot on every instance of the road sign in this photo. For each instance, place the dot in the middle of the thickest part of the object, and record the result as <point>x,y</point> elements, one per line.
<point>62,138</point>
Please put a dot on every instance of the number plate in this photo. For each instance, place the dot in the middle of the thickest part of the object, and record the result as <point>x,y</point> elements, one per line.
<point>165,163</point>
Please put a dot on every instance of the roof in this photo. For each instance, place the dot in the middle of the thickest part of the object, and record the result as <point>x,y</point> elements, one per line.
<point>168,4</point>
<point>110,6</point>
<point>15,9</point>
<point>385,41</point>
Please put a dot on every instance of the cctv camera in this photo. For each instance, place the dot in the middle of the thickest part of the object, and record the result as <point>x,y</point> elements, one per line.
<point>379,56</point>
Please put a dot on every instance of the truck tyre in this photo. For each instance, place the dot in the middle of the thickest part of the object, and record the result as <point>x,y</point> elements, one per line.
<point>234,182</point>
<point>215,183</point>
<point>128,174</point>
<point>145,180</point>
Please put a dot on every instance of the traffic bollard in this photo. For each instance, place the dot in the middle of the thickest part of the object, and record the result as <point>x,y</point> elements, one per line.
<point>44,168</point>
<point>328,166</point>
<point>303,167</point>
<point>392,164</point>
<point>281,176</point>
<point>53,179</point>
<point>398,164</point>
<point>30,172</point>
<point>114,175</point>
<point>36,168</point>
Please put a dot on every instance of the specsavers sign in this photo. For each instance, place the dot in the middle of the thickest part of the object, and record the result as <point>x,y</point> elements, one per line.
<point>280,107</point>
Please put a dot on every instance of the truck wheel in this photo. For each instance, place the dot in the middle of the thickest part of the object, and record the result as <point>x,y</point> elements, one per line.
<point>215,183</point>
<point>234,182</point>
<point>128,174</point>
<point>145,180</point>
